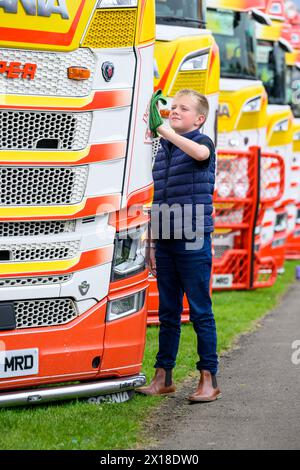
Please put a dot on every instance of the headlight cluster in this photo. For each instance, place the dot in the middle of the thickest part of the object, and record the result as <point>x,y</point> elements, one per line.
<point>195,63</point>
<point>296,136</point>
<point>257,230</point>
<point>252,106</point>
<point>232,185</point>
<point>281,223</point>
<point>116,3</point>
<point>130,253</point>
<point>281,126</point>
<point>125,306</point>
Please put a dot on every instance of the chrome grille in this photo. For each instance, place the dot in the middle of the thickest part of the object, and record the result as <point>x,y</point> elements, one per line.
<point>32,229</point>
<point>44,130</point>
<point>31,186</point>
<point>51,76</point>
<point>46,312</point>
<point>34,281</point>
<point>39,251</point>
<point>155,147</point>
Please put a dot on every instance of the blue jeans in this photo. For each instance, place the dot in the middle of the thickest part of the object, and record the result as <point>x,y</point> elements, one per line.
<point>178,271</point>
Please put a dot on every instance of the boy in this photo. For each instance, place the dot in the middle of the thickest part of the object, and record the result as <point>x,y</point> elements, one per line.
<point>184,174</point>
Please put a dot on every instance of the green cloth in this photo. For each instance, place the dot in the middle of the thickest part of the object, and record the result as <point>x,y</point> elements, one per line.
<point>155,119</point>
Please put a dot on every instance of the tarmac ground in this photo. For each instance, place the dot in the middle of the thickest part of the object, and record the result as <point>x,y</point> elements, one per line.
<point>260,384</point>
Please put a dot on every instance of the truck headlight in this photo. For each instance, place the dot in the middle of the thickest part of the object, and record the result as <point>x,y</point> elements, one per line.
<point>125,306</point>
<point>281,126</point>
<point>195,63</point>
<point>296,136</point>
<point>281,222</point>
<point>116,3</point>
<point>257,230</point>
<point>130,253</point>
<point>234,142</point>
<point>252,106</point>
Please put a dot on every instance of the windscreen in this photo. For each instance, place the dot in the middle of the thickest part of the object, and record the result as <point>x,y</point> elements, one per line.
<point>235,36</point>
<point>293,89</point>
<point>180,12</point>
<point>271,70</point>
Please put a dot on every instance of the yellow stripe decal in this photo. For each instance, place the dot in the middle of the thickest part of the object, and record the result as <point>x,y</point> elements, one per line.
<point>41,211</point>
<point>38,266</point>
<point>43,157</point>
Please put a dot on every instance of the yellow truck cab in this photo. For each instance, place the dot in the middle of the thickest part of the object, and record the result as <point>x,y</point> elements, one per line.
<point>241,124</point>
<point>293,97</point>
<point>243,101</point>
<point>271,48</point>
<point>186,55</point>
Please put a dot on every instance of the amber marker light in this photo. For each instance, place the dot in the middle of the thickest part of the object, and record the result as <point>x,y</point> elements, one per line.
<point>165,113</point>
<point>78,73</point>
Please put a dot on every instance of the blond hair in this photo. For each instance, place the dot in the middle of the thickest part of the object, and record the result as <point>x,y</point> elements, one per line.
<point>200,100</point>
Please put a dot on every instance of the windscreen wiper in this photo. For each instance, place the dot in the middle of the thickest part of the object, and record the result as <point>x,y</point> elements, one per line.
<point>186,20</point>
<point>241,76</point>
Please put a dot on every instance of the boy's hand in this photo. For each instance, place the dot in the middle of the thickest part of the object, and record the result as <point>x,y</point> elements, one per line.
<point>164,131</point>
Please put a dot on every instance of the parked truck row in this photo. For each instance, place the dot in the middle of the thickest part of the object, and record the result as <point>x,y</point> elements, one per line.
<point>255,104</point>
<point>76,78</point>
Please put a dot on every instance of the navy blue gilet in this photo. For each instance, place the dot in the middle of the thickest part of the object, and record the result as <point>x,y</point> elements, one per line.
<point>180,179</point>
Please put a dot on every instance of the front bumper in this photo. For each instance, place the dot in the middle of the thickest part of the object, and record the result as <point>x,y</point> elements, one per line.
<point>68,392</point>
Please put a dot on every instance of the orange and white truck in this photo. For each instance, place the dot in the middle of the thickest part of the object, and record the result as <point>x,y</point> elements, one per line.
<point>76,77</point>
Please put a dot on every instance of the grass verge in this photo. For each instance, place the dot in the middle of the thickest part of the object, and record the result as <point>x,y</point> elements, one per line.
<point>78,425</point>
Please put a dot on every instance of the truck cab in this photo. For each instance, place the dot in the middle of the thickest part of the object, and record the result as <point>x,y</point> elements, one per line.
<point>243,100</point>
<point>186,55</point>
<point>271,62</point>
<point>241,125</point>
<point>75,85</point>
<point>293,96</point>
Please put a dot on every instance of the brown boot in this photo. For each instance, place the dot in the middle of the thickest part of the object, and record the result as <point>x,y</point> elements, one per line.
<point>162,384</point>
<point>207,390</point>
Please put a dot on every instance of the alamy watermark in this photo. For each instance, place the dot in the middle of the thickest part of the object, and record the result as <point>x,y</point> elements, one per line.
<point>295,358</point>
<point>178,222</point>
